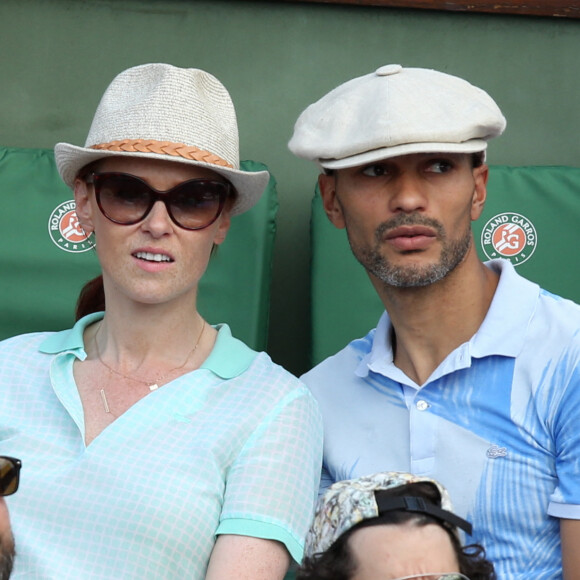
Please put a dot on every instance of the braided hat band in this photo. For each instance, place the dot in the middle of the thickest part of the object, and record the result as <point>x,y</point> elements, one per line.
<point>162,148</point>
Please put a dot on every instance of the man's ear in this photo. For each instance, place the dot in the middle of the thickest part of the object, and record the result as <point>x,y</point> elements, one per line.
<point>83,207</point>
<point>480,176</point>
<point>332,207</point>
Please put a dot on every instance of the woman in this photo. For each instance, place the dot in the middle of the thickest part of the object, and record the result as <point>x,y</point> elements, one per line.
<point>390,526</point>
<point>157,446</point>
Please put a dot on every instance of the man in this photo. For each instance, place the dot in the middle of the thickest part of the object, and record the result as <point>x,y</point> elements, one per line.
<point>471,376</point>
<point>9,477</point>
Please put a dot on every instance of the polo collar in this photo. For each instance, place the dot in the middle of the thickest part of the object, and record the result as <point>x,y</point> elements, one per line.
<point>229,357</point>
<point>70,340</point>
<point>505,326</point>
<point>502,332</point>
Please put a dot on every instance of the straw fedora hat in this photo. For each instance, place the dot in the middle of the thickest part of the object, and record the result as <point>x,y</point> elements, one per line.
<point>159,111</point>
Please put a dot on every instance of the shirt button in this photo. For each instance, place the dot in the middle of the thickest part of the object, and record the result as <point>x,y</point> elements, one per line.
<point>422,405</point>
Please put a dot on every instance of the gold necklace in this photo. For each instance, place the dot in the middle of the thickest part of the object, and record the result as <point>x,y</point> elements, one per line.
<point>152,384</point>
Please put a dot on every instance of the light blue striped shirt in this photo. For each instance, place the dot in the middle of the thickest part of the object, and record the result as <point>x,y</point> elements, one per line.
<point>231,448</point>
<point>497,422</point>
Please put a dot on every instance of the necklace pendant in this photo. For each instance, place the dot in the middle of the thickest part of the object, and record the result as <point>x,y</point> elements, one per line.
<point>105,402</point>
<point>153,387</point>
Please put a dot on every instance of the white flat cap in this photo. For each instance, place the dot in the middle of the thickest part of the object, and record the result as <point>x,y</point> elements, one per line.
<point>396,111</point>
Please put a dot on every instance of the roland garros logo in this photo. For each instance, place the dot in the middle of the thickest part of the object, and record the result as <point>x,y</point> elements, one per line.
<point>65,230</point>
<point>509,235</point>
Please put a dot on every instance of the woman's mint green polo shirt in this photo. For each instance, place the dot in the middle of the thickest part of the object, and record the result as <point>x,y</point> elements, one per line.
<point>231,448</point>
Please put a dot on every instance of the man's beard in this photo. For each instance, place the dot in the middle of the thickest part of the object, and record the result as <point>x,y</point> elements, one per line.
<point>6,558</point>
<point>452,254</point>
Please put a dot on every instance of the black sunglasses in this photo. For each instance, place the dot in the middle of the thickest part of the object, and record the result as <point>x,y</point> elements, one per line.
<point>9,475</point>
<point>126,200</point>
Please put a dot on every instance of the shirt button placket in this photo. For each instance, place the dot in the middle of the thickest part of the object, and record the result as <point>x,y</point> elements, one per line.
<point>423,429</point>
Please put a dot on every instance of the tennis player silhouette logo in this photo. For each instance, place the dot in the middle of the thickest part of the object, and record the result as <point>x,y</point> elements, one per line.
<point>509,235</point>
<point>65,230</point>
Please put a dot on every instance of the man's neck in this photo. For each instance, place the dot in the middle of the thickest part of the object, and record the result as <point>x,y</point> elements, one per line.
<point>432,321</point>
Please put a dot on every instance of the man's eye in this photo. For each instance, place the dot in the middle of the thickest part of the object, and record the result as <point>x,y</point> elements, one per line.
<point>375,170</point>
<point>440,167</point>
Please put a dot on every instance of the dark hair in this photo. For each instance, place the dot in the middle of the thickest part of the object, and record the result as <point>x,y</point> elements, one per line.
<point>338,562</point>
<point>91,298</point>
<point>477,159</point>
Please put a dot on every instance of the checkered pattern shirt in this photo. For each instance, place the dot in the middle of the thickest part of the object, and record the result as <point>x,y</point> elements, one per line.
<point>231,448</point>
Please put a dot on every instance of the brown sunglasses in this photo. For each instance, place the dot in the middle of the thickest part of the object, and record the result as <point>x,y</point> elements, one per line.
<point>9,475</point>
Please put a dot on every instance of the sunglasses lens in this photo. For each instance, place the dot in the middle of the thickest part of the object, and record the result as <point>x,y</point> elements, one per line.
<point>126,200</point>
<point>122,198</point>
<point>196,204</point>
<point>9,475</point>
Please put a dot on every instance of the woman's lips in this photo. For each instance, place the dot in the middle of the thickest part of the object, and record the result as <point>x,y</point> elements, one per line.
<point>152,259</point>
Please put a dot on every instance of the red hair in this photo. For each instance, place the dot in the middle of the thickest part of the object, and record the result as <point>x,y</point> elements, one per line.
<point>91,299</point>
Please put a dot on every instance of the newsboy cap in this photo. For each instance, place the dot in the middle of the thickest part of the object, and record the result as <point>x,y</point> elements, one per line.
<point>396,111</point>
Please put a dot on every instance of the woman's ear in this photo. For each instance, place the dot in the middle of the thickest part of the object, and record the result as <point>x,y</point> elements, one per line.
<point>83,206</point>
<point>223,227</point>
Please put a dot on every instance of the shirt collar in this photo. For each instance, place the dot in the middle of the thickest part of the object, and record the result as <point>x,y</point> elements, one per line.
<point>504,329</point>
<point>502,332</point>
<point>70,340</point>
<point>381,356</point>
<point>229,357</point>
